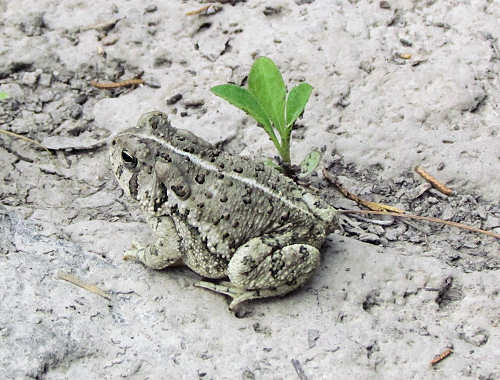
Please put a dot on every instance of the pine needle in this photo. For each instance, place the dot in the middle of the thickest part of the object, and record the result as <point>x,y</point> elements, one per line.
<point>9,133</point>
<point>76,281</point>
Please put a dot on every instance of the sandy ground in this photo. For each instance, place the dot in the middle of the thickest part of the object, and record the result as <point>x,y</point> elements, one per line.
<point>396,84</point>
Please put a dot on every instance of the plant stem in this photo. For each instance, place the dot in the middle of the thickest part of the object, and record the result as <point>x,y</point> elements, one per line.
<point>285,145</point>
<point>275,141</point>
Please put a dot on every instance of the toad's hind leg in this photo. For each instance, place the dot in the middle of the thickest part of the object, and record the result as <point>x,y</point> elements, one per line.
<point>261,269</point>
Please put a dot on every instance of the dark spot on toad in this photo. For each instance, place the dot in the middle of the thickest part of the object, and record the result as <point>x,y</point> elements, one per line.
<point>133,185</point>
<point>285,216</point>
<point>161,197</point>
<point>119,171</point>
<point>182,191</point>
<point>200,178</point>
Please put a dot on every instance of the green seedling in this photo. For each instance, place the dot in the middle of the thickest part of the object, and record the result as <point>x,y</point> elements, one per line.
<point>310,163</point>
<point>3,95</point>
<point>267,101</point>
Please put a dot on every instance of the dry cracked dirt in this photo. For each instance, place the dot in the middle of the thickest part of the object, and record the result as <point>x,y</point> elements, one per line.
<point>396,84</point>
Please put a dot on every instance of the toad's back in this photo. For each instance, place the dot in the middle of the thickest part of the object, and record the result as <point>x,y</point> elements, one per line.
<point>220,198</point>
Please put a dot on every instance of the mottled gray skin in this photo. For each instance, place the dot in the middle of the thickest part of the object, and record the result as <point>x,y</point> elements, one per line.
<point>223,216</point>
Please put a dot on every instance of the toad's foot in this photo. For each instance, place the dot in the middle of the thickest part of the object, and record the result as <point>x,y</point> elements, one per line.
<point>240,295</point>
<point>157,255</point>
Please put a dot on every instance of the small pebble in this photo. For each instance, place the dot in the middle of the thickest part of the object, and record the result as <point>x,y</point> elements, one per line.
<point>385,5</point>
<point>45,79</point>
<point>405,42</point>
<point>418,191</point>
<point>47,96</point>
<point>30,78</point>
<point>369,238</point>
<point>110,40</point>
<point>448,213</point>
<point>392,234</point>
<point>81,98</point>
<point>75,111</point>
<point>151,82</point>
<point>194,103</point>
<point>271,11</point>
<point>432,200</point>
<point>491,222</point>
<point>312,337</point>
<point>174,99</point>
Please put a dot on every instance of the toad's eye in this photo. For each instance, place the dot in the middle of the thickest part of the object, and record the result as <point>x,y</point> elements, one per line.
<point>129,160</point>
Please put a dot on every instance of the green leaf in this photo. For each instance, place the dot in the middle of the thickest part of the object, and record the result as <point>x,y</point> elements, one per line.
<point>266,84</point>
<point>310,162</point>
<point>3,95</point>
<point>244,100</point>
<point>296,102</point>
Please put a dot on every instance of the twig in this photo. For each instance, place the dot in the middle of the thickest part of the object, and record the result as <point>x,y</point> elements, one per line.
<point>9,133</point>
<point>441,356</point>
<point>433,181</point>
<point>384,223</point>
<point>75,281</point>
<point>198,11</point>
<point>206,10</point>
<point>399,213</point>
<point>371,205</point>
<point>108,85</point>
<point>426,218</point>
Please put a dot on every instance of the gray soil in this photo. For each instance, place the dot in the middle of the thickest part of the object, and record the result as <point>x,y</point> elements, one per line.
<point>396,84</point>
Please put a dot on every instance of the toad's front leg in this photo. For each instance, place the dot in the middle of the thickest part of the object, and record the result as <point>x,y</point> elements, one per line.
<point>263,267</point>
<point>164,251</point>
